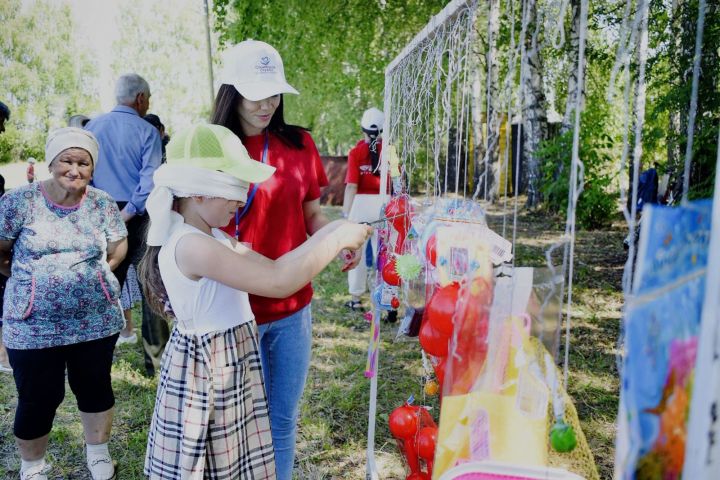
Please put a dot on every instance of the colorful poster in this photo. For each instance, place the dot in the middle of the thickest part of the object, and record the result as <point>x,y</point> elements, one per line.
<point>662,324</point>
<point>702,458</point>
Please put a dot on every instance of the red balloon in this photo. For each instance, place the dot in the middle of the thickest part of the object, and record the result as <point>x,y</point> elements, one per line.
<point>418,476</point>
<point>389,274</point>
<point>432,341</point>
<point>431,250</point>
<point>426,440</point>
<point>398,211</point>
<point>441,307</point>
<point>403,422</point>
<point>395,303</point>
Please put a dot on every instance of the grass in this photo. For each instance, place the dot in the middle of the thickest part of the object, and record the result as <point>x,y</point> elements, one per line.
<point>333,423</point>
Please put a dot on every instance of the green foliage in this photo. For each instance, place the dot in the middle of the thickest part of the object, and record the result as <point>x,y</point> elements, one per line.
<point>599,149</point>
<point>670,66</point>
<point>45,76</point>
<point>166,46</point>
<point>334,53</point>
<point>597,202</point>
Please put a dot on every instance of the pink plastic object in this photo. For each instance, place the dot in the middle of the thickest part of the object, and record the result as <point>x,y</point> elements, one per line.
<point>501,471</point>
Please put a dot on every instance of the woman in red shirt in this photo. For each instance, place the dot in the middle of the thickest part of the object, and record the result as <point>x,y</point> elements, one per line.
<point>279,215</point>
<point>362,188</point>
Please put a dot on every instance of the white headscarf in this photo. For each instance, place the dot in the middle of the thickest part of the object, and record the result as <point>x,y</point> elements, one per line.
<point>70,137</point>
<point>185,181</point>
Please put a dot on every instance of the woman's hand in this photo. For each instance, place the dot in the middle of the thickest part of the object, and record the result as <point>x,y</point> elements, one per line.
<point>116,252</point>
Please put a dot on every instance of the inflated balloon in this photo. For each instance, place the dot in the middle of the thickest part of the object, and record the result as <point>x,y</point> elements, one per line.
<point>441,307</point>
<point>390,274</point>
<point>425,444</point>
<point>431,250</point>
<point>403,423</point>
<point>395,303</point>
<point>426,439</point>
<point>431,388</point>
<point>418,476</point>
<point>398,211</point>
<point>562,437</point>
<point>471,325</point>
<point>432,341</point>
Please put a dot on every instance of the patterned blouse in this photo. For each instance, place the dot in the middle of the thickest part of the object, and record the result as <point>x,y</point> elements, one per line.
<point>61,290</point>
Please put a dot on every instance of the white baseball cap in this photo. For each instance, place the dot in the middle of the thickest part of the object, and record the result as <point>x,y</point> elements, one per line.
<point>255,69</point>
<point>373,120</point>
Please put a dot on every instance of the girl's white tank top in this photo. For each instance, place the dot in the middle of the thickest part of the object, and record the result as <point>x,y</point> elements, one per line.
<point>201,306</point>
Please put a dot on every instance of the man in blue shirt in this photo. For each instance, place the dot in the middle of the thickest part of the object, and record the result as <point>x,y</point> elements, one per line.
<point>130,152</point>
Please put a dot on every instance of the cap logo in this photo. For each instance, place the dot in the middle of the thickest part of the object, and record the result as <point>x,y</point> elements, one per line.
<point>264,66</point>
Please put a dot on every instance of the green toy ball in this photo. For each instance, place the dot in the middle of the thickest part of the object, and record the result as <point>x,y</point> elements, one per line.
<point>408,267</point>
<point>562,437</point>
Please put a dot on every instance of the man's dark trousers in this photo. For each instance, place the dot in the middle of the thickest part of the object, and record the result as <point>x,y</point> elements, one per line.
<point>155,329</point>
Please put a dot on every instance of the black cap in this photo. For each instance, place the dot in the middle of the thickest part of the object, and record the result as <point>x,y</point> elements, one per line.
<point>154,120</point>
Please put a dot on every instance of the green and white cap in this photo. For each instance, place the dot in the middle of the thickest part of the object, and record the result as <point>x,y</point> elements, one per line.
<point>214,147</point>
<point>202,161</point>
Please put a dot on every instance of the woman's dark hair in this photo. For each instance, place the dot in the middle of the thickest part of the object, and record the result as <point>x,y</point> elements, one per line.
<point>225,113</point>
<point>374,153</point>
<point>152,284</point>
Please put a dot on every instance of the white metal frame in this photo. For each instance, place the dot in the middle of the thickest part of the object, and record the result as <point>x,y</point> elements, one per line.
<point>448,13</point>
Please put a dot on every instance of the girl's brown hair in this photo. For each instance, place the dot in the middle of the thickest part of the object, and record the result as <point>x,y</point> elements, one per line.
<point>152,284</point>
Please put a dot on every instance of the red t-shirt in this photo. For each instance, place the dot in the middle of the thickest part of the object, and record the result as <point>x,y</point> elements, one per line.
<point>359,169</point>
<point>274,224</point>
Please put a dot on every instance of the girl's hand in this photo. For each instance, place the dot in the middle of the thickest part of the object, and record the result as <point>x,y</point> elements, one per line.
<point>354,235</point>
<point>350,258</point>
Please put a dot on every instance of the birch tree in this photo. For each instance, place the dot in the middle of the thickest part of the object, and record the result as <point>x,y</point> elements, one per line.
<point>488,187</point>
<point>534,109</point>
<point>573,51</point>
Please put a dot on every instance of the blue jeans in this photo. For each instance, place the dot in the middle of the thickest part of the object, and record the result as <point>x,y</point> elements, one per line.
<point>285,354</point>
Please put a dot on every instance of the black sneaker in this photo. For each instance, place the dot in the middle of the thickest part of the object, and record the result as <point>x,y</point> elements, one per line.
<point>391,317</point>
<point>355,306</point>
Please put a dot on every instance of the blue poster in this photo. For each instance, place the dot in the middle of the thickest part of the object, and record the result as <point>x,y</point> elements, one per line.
<point>662,323</point>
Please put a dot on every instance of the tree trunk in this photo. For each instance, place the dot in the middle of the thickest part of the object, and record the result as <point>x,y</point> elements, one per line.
<point>488,188</point>
<point>534,109</point>
<point>573,51</point>
<point>477,69</point>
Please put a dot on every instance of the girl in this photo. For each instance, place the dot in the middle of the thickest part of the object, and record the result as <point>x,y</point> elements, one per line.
<point>211,419</point>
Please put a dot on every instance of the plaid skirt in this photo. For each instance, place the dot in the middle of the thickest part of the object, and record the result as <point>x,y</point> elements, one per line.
<point>211,416</point>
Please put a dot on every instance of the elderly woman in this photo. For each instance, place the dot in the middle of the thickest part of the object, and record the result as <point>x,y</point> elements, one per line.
<point>59,241</point>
